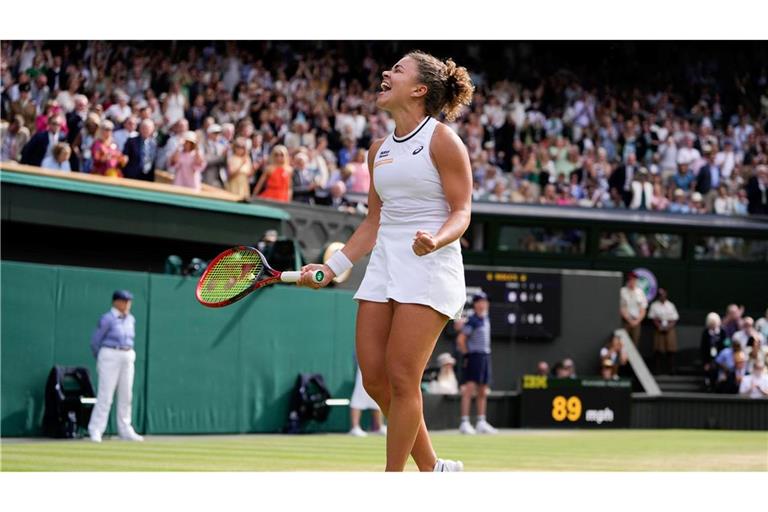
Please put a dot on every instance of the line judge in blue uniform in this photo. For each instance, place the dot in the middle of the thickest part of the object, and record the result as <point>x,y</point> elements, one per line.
<point>112,346</point>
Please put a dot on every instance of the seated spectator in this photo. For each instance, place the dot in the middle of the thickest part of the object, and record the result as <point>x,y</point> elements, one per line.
<point>59,160</point>
<point>756,350</point>
<point>740,202</point>
<point>550,194</point>
<point>728,375</point>
<point>13,137</point>
<point>696,205</point>
<point>608,370</point>
<point>82,145</point>
<point>107,159</point>
<point>25,107</point>
<point>445,383</point>
<point>659,202</point>
<point>276,180</point>
<point>336,198</point>
<point>565,369</point>
<point>680,204</point>
<point>712,343</point>
<point>542,368</point>
<point>188,163</point>
<point>755,384</point>
<point>762,325</point>
<point>615,200</point>
<point>723,204</point>
<point>614,352</point>
<point>239,169</point>
<point>747,332</point>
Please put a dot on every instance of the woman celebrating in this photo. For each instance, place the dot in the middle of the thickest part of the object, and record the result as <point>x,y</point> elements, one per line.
<point>418,207</point>
<point>239,169</point>
<point>107,158</point>
<point>277,177</point>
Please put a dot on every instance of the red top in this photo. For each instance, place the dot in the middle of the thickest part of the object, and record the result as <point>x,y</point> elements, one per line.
<point>278,185</point>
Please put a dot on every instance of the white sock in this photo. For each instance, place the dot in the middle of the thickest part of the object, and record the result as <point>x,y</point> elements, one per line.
<point>481,419</point>
<point>465,419</point>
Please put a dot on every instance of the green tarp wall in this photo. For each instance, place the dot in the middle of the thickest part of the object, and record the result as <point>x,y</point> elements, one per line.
<point>198,370</point>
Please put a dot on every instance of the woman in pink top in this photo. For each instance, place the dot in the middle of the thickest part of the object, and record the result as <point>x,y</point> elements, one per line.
<point>361,177</point>
<point>188,163</point>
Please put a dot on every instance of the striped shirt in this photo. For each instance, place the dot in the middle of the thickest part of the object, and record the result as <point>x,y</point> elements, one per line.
<point>115,330</point>
<point>478,332</point>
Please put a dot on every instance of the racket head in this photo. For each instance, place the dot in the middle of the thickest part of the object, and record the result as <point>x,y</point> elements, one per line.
<point>232,275</point>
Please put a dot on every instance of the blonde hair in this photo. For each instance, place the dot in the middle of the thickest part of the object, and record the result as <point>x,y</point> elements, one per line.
<point>712,319</point>
<point>449,86</point>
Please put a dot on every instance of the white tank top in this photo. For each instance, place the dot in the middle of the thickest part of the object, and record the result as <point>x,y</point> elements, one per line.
<point>407,181</point>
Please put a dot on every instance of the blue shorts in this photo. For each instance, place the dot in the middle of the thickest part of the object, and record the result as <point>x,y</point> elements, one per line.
<point>476,367</point>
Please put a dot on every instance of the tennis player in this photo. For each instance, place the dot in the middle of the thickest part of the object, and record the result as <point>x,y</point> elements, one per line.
<point>418,207</point>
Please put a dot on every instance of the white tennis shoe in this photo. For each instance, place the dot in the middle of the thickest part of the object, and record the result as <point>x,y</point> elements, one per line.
<point>381,432</point>
<point>358,432</point>
<point>483,427</point>
<point>132,436</point>
<point>448,466</point>
<point>467,428</point>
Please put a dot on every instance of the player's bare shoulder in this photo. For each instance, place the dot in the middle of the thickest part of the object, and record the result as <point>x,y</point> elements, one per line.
<point>373,150</point>
<point>446,145</point>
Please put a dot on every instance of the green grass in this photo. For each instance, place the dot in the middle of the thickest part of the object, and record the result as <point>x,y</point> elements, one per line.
<point>512,450</point>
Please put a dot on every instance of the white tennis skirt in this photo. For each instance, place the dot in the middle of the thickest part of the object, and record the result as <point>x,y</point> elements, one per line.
<point>361,400</point>
<point>395,272</point>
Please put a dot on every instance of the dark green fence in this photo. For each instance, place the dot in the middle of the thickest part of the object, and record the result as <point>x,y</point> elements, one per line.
<point>198,370</point>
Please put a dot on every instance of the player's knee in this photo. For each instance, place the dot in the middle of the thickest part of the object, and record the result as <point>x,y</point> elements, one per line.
<point>377,387</point>
<point>402,383</point>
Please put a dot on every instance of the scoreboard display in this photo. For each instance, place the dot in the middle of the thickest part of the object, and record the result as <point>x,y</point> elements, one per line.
<point>569,403</point>
<point>523,305</point>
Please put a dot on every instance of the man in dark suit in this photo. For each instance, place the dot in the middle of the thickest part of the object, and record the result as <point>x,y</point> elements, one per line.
<point>621,178</point>
<point>757,191</point>
<point>142,153</point>
<point>41,144</point>
<point>709,174</point>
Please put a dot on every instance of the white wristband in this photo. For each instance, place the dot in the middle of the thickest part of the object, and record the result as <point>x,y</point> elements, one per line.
<point>339,263</point>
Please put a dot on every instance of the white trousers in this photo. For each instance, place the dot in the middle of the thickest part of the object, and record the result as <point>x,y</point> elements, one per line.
<point>115,369</point>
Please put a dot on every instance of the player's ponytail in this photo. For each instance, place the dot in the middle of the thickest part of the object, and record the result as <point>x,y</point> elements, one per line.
<point>449,86</point>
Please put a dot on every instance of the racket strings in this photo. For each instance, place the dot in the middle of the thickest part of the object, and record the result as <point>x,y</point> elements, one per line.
<point>230,276</point>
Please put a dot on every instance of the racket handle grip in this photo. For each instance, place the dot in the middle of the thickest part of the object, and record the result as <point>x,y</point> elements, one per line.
<point>294,275</point>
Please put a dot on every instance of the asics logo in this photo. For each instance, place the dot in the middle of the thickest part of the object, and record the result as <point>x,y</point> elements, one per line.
<point>417,150</point>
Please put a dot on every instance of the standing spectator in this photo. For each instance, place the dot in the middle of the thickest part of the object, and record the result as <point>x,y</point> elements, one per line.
<point>632,306</point>
<point>747,334</point>
<point>474,342</point>
<point>41,144</point>
<point>276,178</point>
<point>107,159</point>
<point>303,179</point>
<point>726,160</point>
<point>664,315</point>
<point>712,342</point>
<point>755,385</point>
<point>732,320</point>
<point>542,368</point>
<point>128,130</point>
<point>642,191</point>
<point>112,346</point>
<point>25,107</point>
<point>445,383</point>
<point>684,178</point>
<point>607,370</point>
<point>176,140</point>
<point>13,136</point>
<point>239,169</point>
<point>141,152</point>
<point>361,176</point>
<point>731,363</point>
<point>82,145</point>
<point>59,160</point>
<point>215,149</point>
<point>757,191</point>
<point>188,163</point>
<point>709,178</point>
<point>622,176</point>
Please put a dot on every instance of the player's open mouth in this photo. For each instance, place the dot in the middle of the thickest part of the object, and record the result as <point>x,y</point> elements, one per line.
<point>385,87</point>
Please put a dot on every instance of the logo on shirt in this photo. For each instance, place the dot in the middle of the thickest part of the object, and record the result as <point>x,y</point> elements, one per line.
<point>418,150</point>
<point>384,152</point>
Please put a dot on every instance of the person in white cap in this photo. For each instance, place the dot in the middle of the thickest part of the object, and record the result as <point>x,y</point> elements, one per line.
<point>112,346</point>
<point>445,383</point>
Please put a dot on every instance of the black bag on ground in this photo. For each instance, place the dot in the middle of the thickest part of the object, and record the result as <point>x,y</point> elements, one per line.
<point>308,402</point>
<point>69,399</point>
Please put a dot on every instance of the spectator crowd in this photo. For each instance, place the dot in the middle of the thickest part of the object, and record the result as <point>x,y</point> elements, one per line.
<point>279,122</point>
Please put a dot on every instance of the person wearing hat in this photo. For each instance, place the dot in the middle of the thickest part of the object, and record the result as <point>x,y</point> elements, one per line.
<point>13,137</point>
<point>642,191</point>
<point>679,204</point>
<point>445,383</point>
<point>107,158</point>
<point>632,307</point>
<point>188,163</point>
<point>41,144</point>
<point>474,342</point>
<point>141,152</point>
<point>112,346</point>
<point>215,149</point>
<point>607,370</point>
<point>25,106</point>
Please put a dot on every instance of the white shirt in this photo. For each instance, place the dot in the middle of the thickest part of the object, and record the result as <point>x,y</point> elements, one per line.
<point>746,385</point>
<point>444,384</point>
<point>665,312</point>
<point>632,301</point>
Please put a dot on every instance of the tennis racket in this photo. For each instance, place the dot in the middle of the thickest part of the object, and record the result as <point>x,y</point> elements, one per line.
<point>238,271</point>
